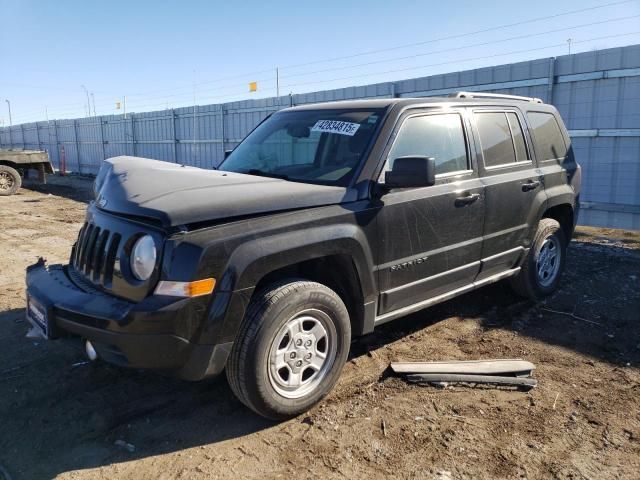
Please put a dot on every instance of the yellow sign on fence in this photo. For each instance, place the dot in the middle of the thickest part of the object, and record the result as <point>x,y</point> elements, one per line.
<point>253,86</point>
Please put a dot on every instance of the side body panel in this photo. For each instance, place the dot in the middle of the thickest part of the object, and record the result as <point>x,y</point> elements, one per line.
<point>514,195</point>
<point>430,240</point>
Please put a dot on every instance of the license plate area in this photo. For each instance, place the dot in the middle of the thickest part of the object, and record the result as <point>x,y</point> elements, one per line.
<point>38,316</point>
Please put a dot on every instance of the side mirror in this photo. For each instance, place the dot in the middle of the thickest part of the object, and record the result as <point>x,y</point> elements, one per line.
<point>227,153</point>
<point>413,171</point>
<point>298,131</point>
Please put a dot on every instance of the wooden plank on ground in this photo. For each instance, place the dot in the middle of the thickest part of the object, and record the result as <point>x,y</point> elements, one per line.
<point>472,367</point>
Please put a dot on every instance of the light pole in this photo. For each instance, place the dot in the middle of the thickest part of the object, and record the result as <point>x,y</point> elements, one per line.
<point>88,102</point>
<point>10,123</point>
<point>9,107</point>
<point>93,100</point>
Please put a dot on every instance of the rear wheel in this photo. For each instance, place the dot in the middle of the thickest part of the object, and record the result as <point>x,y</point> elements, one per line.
<point>10,180</point>
<point>290,350</point>
<point>541,270</point>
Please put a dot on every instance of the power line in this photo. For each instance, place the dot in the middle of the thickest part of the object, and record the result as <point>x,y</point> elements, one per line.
<point>464,47</point>
<point>407,69</point>
<point>393,59</point>
<point>207,82</point>
<point>369,52</point>
<point>458,61</point>
<point>460,35</point>
<point>76,107</point>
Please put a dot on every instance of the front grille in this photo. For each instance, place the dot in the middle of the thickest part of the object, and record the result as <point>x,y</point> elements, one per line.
<point>94,254</point>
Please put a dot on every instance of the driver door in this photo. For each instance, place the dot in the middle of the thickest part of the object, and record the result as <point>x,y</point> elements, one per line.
<point>430,237</point>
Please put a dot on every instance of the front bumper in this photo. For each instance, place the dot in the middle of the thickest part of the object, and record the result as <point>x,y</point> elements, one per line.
<point>138,335</point>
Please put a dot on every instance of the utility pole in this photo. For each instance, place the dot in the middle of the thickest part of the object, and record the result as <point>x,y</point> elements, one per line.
<point>569,40</point>
<point>88,102</point>
<point>277,82</point>
<point>195,156</point>
<point>10,123</point>
<point>93,100</point>
<point>9,107</point>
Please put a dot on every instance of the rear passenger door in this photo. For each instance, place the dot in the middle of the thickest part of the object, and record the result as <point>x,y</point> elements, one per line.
<point>513,187</point>
<point>430,237</point>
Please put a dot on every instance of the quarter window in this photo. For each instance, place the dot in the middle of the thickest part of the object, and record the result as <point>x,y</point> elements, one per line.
<point>440,136</point>
<point>547,138</point>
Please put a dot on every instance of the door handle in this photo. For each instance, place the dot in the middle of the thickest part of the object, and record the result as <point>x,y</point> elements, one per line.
<point>467,200</point>
<point>530,185</point>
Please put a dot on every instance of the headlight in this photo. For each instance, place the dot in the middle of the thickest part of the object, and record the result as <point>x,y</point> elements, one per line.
<point>143,257</point>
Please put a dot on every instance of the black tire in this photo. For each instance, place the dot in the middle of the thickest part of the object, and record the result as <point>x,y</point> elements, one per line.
<point>528,283</point>
<point>10,180</point>
<point>249,368</point>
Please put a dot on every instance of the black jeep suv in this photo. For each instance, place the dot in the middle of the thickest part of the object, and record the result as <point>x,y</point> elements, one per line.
<point>326,221</point>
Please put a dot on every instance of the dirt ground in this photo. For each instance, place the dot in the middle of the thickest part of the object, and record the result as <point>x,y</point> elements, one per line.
<point>62,417</point>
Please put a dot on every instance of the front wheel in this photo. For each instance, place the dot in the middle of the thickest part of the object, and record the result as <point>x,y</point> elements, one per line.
<point>541,270</point>
<point>290,350</point>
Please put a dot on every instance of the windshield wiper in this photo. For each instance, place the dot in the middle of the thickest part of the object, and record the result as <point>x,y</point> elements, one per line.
<point>262,173</point>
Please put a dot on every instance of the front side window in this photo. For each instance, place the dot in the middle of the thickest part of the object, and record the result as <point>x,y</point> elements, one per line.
<point>313,146</point>
<point>547,138</point>
<point>440,136</point>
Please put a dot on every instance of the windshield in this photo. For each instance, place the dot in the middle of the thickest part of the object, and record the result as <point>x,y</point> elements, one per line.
<point>314,146</point>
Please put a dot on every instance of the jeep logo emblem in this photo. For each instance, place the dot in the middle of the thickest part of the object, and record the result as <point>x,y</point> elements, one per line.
<point>102,202</point>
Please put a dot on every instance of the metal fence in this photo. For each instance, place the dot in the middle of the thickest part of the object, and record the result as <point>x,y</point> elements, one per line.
<point>597,93</point>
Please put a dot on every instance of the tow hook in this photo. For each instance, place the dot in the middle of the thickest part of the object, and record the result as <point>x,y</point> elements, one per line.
<point>90,351</point>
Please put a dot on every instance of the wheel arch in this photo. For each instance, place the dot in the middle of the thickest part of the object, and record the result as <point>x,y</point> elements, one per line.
<point>347,284</point>
<point>563,213</point>
<point>336,256</point>
<point>8,163</point>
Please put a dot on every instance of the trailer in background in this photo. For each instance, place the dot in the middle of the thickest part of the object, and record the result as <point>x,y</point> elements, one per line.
<point>16,164</point>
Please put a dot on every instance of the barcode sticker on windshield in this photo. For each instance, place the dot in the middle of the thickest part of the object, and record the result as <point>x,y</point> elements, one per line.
<point>334,126</point>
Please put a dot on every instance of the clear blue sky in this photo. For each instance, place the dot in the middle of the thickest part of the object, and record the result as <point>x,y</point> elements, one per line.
<point>154,51</point>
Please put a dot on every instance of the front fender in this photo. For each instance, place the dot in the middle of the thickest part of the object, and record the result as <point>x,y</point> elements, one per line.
<point>257,257</point>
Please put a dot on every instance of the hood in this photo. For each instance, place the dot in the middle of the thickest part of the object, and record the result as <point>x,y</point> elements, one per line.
<point>178,195</point>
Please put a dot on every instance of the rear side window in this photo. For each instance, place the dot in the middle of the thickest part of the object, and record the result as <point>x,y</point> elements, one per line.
<point>495,138</point>
<point>547,138</point>
<point>440,136</point>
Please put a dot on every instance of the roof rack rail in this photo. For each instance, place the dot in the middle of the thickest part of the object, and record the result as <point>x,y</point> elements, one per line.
<point>494,95</point>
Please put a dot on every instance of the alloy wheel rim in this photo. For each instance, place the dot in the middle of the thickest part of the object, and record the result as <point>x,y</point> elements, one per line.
<point>548,261</point>
<point>6,181</point>
<point>302,353</point>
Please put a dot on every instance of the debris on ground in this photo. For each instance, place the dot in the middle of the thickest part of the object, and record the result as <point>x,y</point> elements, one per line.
<point>507,372</point>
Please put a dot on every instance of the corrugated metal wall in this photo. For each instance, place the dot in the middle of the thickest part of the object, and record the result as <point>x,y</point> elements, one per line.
<point>597,93</point>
